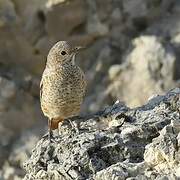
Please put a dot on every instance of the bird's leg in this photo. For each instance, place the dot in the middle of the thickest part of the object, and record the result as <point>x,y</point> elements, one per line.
<point>74,126</point>
<point>50,130</point>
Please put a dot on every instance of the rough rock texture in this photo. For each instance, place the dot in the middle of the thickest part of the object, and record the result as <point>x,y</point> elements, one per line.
<point>118,34</point>
<point>116,143</point>
<point>20,151</point>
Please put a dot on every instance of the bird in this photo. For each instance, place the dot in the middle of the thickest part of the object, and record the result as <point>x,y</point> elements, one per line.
<point>62,86</point>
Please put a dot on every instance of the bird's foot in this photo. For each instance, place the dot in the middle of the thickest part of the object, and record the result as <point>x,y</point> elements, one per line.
<point>74,126</point>
<point>45,136</point>
<point>50,137</point>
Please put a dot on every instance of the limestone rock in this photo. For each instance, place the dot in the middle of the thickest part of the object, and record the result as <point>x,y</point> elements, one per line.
<point>161,157</point>
<point>107,28</point>
<point>72,14</point>
<point>7,13</point>
<point>20,151</point>
<point>144,146</point>
<point>29,28</point>
<point>15,118</point>
<point>147,70</point>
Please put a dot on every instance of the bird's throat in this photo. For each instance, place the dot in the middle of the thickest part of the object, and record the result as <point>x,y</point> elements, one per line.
<point>73,59</point>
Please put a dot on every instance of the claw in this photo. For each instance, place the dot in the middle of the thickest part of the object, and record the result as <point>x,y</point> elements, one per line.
<point>74,126</point>
<point>50,137</point>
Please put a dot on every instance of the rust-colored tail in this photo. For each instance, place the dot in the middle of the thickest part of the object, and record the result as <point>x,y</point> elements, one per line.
<point>54,123</point>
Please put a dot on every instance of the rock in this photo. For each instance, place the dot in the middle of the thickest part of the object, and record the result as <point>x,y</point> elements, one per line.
<point>167,28</point>
<point>72,14</point>
<point>20,151</point>
<point>108,29</point>
<point>161,157</point>
<point>147,70</point>
<point>135,9</point>
<point>24,114</point>
<point>141,147</point>
<point>18,111</point>
<point>8,14</point>
<point>150,10</point>
<point>30,28</point>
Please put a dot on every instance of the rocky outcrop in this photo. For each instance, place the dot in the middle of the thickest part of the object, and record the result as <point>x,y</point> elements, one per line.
<point>132,54</point>
<point>19,152</point>
<point>148,69</point>
<point>116,143</point>
<point>17,109</point>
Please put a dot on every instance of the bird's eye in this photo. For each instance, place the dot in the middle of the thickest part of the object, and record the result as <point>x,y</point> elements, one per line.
<point>63,53</point>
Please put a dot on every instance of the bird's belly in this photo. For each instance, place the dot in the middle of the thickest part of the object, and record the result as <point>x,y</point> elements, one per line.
<point>61,111</point>
<point>61,100</point>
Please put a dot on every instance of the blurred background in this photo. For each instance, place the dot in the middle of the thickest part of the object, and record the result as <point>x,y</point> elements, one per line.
<point>133,53</point>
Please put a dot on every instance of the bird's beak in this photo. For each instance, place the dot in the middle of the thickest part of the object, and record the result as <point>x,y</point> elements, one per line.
<point>77,49</point>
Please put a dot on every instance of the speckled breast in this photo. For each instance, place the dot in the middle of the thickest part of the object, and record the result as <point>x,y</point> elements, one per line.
<point>62,92</point>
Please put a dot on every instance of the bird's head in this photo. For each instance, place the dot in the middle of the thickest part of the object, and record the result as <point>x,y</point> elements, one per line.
<point>62,53</point>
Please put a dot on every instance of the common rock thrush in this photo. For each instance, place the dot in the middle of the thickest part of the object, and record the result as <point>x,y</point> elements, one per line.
<point>62,86</point>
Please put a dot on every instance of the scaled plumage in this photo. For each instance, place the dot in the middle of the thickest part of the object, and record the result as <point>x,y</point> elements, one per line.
<point>62,85</point>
